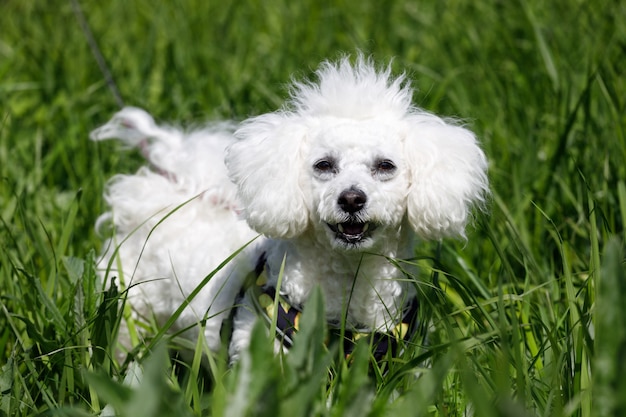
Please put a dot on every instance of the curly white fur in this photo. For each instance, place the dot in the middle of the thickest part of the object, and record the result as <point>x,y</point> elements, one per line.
<point>338,181</point>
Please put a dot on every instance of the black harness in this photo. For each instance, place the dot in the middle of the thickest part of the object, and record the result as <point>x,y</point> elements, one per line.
<point>270,305</point>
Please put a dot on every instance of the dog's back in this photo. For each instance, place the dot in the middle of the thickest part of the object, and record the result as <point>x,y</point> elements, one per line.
<point>173,222</point>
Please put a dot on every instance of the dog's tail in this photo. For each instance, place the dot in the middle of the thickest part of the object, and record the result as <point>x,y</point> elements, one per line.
<point>132,125</point>
<point>193,161</point>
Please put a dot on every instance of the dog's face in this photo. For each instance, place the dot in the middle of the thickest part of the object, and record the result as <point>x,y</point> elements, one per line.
<point>352,160</point>
<point>356,183</point>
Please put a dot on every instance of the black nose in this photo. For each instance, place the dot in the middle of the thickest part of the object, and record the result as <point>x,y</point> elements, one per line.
<point>352,200</point>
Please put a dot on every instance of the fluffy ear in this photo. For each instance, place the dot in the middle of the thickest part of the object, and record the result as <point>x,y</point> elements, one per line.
<point>266,165</point>
<point>448,176</point>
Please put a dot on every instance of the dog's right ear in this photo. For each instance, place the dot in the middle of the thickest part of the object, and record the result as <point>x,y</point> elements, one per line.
<point>266,165</point>
<point>448,176</point>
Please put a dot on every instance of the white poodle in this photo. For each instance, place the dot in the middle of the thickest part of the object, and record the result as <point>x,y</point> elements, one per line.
<point>337,183</point>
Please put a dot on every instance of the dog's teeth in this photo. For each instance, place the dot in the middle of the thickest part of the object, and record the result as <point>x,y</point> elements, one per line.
<point>365,227</point>
<point>340,227</point>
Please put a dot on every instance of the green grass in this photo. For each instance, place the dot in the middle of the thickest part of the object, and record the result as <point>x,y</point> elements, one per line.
<point>528,314</point>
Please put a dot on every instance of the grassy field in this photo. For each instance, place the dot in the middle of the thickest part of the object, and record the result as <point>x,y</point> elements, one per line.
<point>529,315</point>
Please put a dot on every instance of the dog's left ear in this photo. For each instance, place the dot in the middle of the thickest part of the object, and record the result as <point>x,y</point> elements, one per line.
<point>266,165</point>
<point>448,175</point>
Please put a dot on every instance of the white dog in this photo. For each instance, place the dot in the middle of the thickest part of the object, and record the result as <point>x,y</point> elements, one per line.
<point>337,183</point>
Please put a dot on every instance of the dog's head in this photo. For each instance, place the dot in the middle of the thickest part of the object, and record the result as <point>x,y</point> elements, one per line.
<point>353,159</point>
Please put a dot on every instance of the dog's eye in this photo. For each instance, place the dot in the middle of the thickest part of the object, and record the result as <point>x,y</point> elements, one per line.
<point>324,165</point>
<point>383,169</point>
<point>385,166</point>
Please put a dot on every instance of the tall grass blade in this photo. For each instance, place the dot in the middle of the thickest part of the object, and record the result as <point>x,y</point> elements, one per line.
<point>609,385</point>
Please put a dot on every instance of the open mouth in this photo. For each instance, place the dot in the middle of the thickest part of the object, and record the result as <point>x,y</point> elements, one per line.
<point>352,232</point>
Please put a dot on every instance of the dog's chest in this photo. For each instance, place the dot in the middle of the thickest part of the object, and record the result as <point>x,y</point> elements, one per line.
<point>369,290</point>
